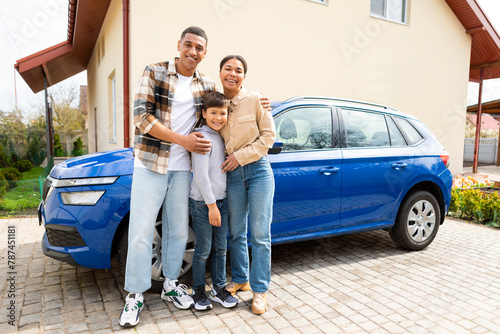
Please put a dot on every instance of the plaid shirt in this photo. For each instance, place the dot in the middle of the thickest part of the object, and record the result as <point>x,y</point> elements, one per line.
<point>153,103</point>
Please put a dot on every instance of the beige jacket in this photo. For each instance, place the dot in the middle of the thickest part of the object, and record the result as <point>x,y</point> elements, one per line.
<point>250,130</point>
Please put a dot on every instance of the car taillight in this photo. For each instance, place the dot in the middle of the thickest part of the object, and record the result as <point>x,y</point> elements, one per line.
<point>445,157</point>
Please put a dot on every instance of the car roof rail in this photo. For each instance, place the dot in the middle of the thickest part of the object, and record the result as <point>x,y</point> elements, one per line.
<point>301,98</point>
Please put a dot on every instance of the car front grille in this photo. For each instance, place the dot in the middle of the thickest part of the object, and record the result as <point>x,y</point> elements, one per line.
<point>46,187</point>
<point>63,236</point>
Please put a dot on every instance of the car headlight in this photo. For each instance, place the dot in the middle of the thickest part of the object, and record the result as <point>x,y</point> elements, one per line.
<point>91,181</point>
<point>82,197</point>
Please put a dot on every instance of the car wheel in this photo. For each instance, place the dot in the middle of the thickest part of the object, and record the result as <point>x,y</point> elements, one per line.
<point>417,221</point>
<point>157,277</point>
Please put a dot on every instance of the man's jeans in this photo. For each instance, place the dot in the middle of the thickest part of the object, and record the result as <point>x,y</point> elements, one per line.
<point>209,239</point>
<point>250,191</point>
<point>151,190</point>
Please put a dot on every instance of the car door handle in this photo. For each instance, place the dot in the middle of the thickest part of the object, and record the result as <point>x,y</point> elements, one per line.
<point>399,165</point>
<point>329,170</point>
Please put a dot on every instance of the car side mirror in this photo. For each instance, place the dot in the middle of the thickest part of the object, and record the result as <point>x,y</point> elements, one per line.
<point>278,145</point>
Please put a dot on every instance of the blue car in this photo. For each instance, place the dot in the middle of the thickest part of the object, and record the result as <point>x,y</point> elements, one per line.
<point>340,166</point>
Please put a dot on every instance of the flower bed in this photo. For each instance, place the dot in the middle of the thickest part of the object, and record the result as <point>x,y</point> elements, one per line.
<point>475,201</point>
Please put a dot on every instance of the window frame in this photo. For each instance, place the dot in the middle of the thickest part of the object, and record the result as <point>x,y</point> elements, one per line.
<point>112,109</point>
<point>386,12</point>
<point>334,127</point>
<point>405,135</point>
<point>343,131</point>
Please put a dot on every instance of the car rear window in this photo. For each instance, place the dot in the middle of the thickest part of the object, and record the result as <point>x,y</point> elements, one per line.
<point>412,134</point>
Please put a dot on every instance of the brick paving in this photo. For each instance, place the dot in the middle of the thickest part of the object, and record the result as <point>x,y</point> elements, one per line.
<point>356,283</point>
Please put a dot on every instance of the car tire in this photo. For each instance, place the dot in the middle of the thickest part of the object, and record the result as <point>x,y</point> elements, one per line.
<point>157,277</point>
<point>417,222</point>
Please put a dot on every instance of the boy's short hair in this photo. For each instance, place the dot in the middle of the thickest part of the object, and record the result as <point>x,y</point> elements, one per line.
<point>195,31</point>
<point>215,99</point>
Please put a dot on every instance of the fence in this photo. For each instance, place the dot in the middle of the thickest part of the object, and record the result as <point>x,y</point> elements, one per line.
<point>22,196</point>
<point>488,148</point>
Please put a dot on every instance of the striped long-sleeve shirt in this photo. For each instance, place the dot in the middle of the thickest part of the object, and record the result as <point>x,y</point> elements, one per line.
<point>153,103</point>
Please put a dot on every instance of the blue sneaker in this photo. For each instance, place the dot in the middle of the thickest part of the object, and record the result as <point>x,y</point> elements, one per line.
<point>223,297</point>
<point>134,303</point>
<point>201,302</point>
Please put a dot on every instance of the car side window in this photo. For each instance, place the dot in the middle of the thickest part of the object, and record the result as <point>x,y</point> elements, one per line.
<point>411,133</point>
<point>365,129</point>
<point>305,128</point>
<point>397,138</point>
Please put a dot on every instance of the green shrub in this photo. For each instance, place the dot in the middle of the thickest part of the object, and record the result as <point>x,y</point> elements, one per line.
<point>455,201</point>
<point>490,207</point>
<point>13,155</point>
<point>4,160</point>
<point>470,203</point>
<point>3,188</point>
<point>58,149</point>
<point>77,147</point>
<point>35,151</point>
<point>23,165</point>
<point>11,175</point>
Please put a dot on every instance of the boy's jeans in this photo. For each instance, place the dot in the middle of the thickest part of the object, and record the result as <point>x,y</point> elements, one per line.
<point>150,191</point>
<point>209,239</point>
<point>250,191</point>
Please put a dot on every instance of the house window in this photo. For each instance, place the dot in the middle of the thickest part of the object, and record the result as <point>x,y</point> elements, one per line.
<point>101,50</point>
<point>392,10</point>
<point>112,108</point>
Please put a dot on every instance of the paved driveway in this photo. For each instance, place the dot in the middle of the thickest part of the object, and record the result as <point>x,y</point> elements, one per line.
<point>349,284</point>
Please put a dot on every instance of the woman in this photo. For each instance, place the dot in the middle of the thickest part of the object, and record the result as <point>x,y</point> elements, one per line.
<point>248,135</point>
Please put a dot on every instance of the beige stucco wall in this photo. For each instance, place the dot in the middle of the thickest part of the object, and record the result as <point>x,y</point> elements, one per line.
<point>299,47</point>
<point>99,73</point>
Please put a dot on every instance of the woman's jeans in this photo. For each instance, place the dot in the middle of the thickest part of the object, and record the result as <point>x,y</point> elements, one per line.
<point>209,239</point>
<point>151,191</point>
<point>250,191</point>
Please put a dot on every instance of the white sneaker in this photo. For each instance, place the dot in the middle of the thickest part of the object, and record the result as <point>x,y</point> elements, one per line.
<point>134,303</point>
<point>176,293</point>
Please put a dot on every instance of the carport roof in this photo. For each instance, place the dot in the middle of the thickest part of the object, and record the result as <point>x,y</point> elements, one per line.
<point>61,61</point>
<point>492,107</point>
<point>85,19</point>
<point>485,52</point>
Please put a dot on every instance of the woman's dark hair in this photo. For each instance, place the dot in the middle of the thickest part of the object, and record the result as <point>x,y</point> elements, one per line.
<point>195,31</point>
<point>214,99</point>
<point>237,57</point>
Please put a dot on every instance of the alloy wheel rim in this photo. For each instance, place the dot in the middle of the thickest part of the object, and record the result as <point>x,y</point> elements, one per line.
<point>421,221</point>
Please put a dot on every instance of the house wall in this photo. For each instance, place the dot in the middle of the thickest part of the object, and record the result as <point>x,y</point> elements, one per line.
<point>106,62</point>
<point>301,47</point>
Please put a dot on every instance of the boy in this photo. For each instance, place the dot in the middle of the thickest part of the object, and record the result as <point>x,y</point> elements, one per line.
<point>208,208</point>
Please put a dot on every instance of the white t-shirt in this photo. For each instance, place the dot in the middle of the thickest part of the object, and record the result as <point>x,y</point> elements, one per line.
<point>183,118</point>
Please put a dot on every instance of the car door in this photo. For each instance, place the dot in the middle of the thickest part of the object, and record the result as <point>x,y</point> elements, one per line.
<point>377,164</point>
<point>307,172</point>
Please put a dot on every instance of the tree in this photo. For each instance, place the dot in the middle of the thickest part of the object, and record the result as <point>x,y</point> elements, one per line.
<point>35,133</point>
<point>12,127</point>
<point>58,149</point>
<point>68,119</point>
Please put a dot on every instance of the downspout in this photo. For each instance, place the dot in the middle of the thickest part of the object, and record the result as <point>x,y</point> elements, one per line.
<point>478,121</point>
<point>126,86</point>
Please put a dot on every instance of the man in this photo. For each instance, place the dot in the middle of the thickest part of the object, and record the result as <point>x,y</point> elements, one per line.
<point>167,104</point>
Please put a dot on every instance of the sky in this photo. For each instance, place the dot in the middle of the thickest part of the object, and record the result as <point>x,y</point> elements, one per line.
<point>29,26</point>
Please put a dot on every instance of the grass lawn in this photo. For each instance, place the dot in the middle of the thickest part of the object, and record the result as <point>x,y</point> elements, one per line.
<point>25,197</point>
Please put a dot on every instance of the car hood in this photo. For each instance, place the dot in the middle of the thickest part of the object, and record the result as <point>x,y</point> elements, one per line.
<point>111,163</point>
